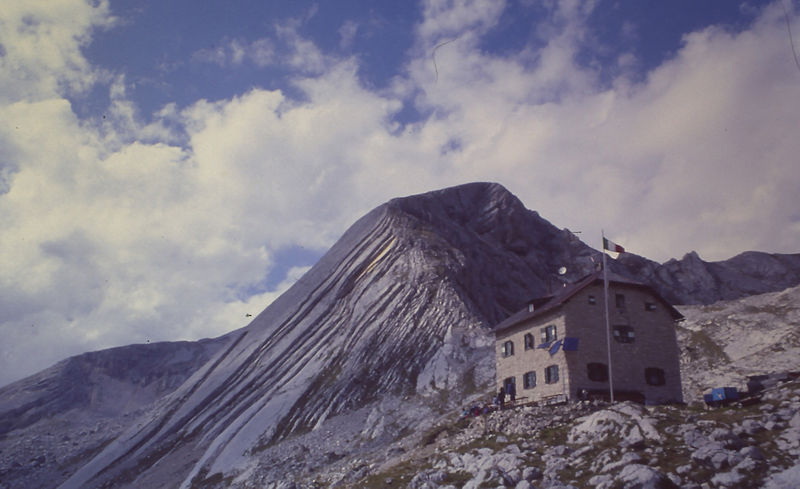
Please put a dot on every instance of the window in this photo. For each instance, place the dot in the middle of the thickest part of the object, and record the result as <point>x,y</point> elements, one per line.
<point>654,376</point>
<point>597,372</point>
<point>620,301</point>
<point>649,306</point>
<point>549,334</point>
<point>529,342</point>
<point>592,300</point>
<point>508,382</point>
<point>508,348</point>
<point>551,374</point>
<point>529,380</point>
<point>623,334</point>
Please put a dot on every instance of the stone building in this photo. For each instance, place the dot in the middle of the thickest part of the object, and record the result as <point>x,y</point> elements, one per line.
<point>556,348</point>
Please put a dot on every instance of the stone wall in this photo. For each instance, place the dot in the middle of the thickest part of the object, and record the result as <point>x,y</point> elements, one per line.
<point>654,346</point>
<point>534,359</point>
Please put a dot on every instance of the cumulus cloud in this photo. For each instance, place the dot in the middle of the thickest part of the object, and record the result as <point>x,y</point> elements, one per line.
<point>126,231</point>
<point>115,234</point>
<point>700,148</point>
<point>41,47</point>
<point>447,19</point>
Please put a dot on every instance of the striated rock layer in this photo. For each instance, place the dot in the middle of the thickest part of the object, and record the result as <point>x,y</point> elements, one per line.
<point>363,322</point>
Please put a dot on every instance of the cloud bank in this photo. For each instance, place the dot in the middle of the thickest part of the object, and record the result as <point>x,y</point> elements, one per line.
<point>138,228</point>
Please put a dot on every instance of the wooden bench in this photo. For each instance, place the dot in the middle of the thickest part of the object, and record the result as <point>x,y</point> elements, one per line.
<point>518,402</point>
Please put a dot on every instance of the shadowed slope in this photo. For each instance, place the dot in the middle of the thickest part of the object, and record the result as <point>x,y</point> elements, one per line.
<point>108,382</point>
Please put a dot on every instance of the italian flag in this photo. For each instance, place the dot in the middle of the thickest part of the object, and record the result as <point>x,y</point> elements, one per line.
<point>612,246</point>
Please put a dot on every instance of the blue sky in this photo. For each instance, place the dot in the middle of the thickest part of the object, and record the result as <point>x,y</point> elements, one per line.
<point>167,168</point>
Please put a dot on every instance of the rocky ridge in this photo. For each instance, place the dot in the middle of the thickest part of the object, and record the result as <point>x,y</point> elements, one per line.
<point>53,422</point>
<point>108,383</point>
<point>691,280</point>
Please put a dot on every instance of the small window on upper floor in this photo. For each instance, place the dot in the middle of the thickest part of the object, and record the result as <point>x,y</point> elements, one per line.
<point>620,301</point>
<point>529,342</point>
<point>508,348</point>
<point>623,334</point>
<point>649,306</point>
<point>549,333</point>
<point>592,300</point>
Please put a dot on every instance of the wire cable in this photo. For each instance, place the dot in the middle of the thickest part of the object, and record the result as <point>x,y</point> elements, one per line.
<point>433,56</point>
<point>789,29</point>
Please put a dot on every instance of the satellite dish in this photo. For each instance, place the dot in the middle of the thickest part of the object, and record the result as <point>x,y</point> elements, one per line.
<point>562,270</point>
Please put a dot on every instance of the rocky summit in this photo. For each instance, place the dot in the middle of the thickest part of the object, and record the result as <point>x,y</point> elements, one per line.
<point>379,344</point>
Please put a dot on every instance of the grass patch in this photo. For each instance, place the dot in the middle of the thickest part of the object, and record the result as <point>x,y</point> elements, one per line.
<point>702,348</point>
<point>430,436</point>
<point>554,435</point>
<point>487,441</point>
<point>771,309</point>
<point>399,475</point>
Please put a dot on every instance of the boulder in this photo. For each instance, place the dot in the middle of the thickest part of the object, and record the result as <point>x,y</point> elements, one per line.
<point>788,479</point>
<point>627,421</point>
<point>637,476</point>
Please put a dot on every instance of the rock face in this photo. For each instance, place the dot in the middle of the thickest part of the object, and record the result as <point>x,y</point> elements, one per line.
<point>53,422</point>
<point>109,383</point>
<point>363,323</point>
<point>397,312</point>
<point>694,281</point>
<point>724,343</point>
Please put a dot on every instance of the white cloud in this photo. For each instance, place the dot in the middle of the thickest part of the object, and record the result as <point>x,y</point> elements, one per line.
<point>449,19</point>
<point>117,233</point>
<point>234,52</point>
<point>41,42</point>
<point>347,33</point>
<point>702,148</point>
<point>113,235</point>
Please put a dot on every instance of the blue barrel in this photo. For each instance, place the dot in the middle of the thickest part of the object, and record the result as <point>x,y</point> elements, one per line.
<point>724,394</point>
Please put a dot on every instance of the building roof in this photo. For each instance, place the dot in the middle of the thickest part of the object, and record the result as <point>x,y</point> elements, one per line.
<point>543,305</point>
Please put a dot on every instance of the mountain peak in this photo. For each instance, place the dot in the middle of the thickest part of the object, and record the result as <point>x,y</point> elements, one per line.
<point>368,320</point>
<point>402,304</point>
<point>479,203</point>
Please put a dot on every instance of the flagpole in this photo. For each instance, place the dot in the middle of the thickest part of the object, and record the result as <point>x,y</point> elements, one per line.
<point>608,323</point>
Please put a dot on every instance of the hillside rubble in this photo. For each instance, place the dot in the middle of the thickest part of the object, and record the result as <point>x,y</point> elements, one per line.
<point>597,445</point>
<point>725,342</point>
<point>54,447</point>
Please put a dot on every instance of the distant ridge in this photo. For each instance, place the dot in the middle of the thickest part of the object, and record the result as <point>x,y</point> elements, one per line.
<point>694,281</point>
<point>94,381</point>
